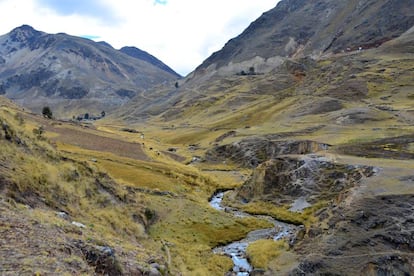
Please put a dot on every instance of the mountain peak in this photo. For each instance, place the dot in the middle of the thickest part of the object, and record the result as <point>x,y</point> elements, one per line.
<point>24,33</point>
<point>24,27</point>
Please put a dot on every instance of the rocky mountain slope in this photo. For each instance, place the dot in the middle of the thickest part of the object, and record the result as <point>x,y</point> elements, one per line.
<point>276,51</point>
<point>299,28</point>
<point>142,55</point>
<point>73,75</point>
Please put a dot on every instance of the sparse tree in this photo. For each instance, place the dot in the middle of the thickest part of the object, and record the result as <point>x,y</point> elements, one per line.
<point>47,112</point>
<point>176,84</point>
<point>86,116</point>
<point>251,71</point>
<point>103,114</point>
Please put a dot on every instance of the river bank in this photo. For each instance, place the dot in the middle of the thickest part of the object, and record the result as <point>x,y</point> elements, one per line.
<point>237,250</point>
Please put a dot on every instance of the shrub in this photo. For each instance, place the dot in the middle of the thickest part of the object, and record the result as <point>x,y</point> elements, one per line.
<point>47,112</point>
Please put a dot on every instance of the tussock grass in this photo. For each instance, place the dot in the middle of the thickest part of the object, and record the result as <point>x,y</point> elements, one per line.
<point>193,229</point>
<point>41,181</point>
<point>282,213</point>
<point>262,252</point>
<point>164,174</point>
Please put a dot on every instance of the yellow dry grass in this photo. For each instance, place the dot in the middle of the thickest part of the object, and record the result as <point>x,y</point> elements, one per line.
<point>193,228</point>
<point>262,252</point>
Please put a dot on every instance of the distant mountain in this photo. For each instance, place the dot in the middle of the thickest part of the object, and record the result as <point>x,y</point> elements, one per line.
<point>73,75</point>
<point>297,28</point>
<point>142,55</point>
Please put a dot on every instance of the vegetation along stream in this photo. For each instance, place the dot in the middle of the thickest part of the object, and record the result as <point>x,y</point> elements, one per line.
<point>237,250</point>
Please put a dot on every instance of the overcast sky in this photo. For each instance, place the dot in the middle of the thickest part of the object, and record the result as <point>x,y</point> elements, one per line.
<point>181,33</point>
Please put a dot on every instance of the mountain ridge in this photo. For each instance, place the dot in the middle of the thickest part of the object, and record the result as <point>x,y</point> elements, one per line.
<point>266,48</point>
<point>324,27</point>
<point>143,55</point>
<point>71,74</point>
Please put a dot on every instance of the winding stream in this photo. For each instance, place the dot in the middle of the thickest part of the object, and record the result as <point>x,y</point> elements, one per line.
<point>237,250</point>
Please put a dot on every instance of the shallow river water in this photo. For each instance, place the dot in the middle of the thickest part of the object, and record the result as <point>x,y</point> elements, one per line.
<point>237,250</point>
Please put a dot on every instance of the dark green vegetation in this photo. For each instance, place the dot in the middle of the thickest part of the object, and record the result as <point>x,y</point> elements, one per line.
<point>47,112</point>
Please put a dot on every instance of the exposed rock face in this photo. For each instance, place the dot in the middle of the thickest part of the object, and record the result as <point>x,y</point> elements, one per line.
<point>376,235</point>
<point>282,180</point>
<point>300,27</point>
<point>253,151</point>
<point>101,257</point>
<point>73,75</point>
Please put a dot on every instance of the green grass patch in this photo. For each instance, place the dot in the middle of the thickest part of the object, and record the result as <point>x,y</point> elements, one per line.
<point>282,213</point>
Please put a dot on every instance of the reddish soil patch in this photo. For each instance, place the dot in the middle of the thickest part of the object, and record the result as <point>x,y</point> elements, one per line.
<point>91,141</point>
<point>89,138</point>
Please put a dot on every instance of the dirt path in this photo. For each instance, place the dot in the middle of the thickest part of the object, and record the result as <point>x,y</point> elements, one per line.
<point>385,253</point>
<point>392,176</point>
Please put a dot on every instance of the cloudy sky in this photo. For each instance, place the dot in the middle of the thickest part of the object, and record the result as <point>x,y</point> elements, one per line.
<point>182,33</point>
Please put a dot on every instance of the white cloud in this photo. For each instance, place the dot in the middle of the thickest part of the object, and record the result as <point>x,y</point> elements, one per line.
<point>182,33</point>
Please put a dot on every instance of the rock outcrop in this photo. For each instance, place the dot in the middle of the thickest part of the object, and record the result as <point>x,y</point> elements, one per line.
<point>253,151</point>
<point>286,179</point>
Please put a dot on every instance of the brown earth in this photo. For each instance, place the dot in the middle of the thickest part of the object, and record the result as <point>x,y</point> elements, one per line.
<point>375,235</point>
<point>38,242</point>
<point>94,141</point>
<point>88,137</point>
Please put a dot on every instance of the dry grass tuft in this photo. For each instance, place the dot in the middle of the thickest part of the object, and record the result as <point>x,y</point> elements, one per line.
<point>262,252</point>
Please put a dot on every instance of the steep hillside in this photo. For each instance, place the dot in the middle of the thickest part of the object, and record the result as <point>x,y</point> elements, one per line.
<point>142,55</point>
<point>61,215</point>
<point>274,52</point>
<point>73,75</point>
<point>297,28</point>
